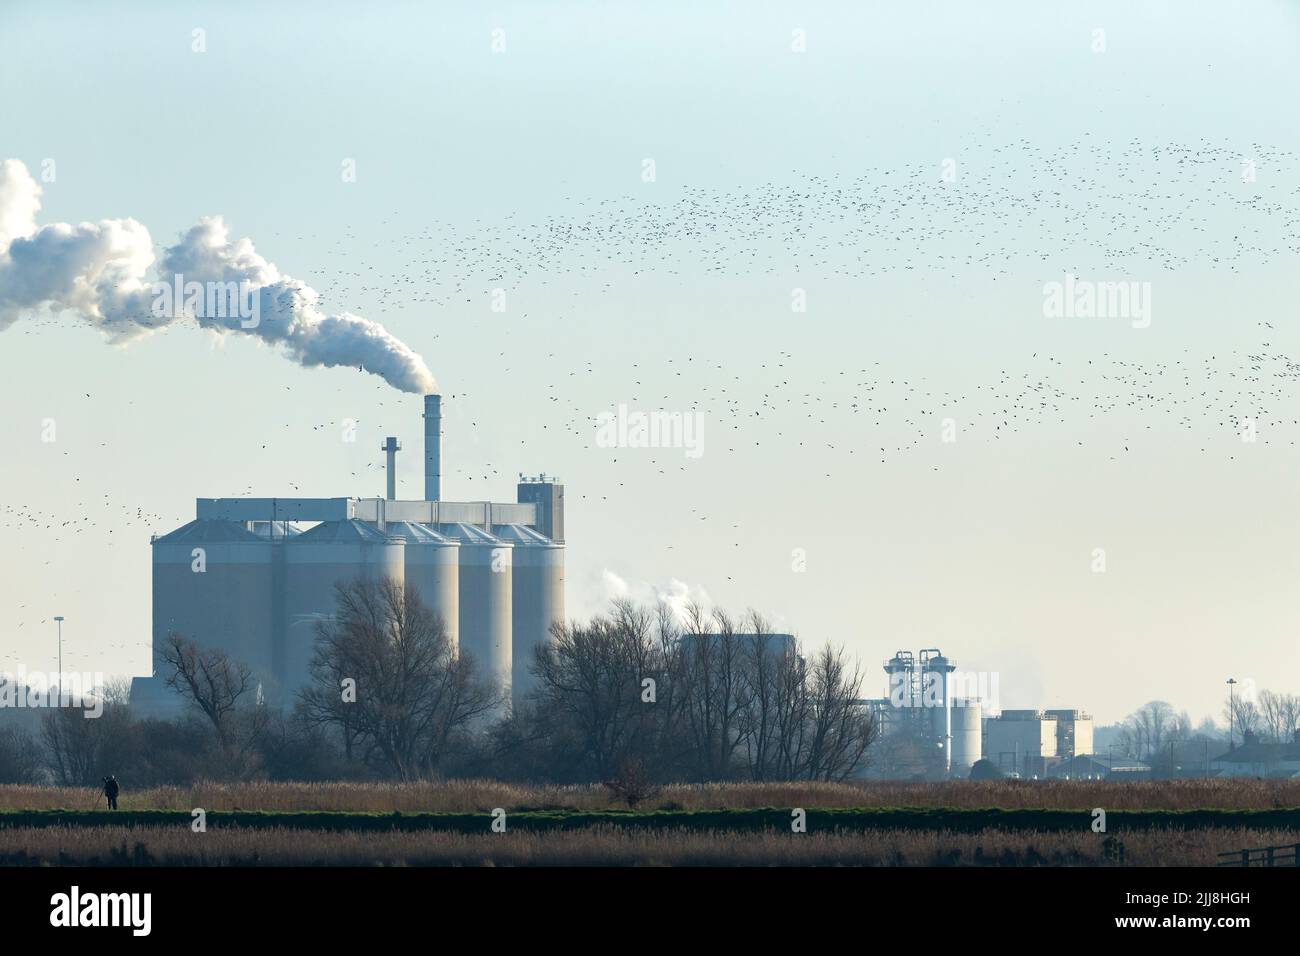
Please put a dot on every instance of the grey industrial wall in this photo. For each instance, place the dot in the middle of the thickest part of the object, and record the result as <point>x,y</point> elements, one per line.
<point>228,606</point>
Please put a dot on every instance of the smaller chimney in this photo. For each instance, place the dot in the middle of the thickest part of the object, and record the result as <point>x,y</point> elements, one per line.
<point>392,446</point>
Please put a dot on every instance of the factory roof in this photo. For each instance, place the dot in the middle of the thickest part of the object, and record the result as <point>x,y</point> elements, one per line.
<point>415,533</point>
<point>340,531</point>
<point>469,534</point>
<point>210,532</point>
<point>521,534</point>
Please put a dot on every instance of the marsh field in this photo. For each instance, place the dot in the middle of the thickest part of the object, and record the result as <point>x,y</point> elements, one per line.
<point>996,823</point>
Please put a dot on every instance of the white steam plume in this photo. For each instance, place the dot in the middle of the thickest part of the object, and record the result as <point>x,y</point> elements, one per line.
<point>101,272</point>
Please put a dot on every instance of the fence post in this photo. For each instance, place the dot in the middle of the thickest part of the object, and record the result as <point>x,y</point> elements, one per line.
<point>1245,858</point>
<point>1269,856</point>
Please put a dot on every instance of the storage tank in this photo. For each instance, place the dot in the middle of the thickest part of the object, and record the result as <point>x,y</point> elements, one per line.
<point>213,583</point>
<point>537,596</point>
<point>314,562</point>
<point>485,599</point>
<point>967,733</point>
<point>432,570</point>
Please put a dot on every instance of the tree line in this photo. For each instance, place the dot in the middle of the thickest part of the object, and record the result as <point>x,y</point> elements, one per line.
<point>634,697</point>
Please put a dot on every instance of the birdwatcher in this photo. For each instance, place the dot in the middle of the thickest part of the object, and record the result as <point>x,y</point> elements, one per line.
<point>110,791</point>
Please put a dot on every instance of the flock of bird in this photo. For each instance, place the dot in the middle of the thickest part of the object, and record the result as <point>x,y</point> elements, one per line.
<point>1013,209</point>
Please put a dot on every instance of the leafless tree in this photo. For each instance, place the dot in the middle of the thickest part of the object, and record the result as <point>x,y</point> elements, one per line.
<point>590,684</point>
<point>1242,715</point>
<point>841,729</point>
<point>413,691</point>
<point>1278,715</point>
<point>717,690</point>
<point>222,689</point>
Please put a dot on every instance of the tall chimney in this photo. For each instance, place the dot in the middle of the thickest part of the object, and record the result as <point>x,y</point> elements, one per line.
<point>392,446</point>
<point>432,447</point>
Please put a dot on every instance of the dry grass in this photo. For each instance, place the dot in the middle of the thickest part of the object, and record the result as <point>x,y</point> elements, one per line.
<point>484,795</point>
<point>611,846</point>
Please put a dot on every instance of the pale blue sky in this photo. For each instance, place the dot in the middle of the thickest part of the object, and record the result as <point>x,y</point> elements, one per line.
<point>981,547</point>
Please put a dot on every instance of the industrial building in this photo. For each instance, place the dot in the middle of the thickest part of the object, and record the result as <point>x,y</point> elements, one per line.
<point>929,727</point>
<point>1030,742</point>
<point>255,576</point>
<point>920,707</point>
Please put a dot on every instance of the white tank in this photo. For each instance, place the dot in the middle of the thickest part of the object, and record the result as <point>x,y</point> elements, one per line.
<point>537,598</point>
<point>432,571</point>
<point>485,600</point>
<point>213,584</point>
<point>315,561</point>
<point>967,736</point>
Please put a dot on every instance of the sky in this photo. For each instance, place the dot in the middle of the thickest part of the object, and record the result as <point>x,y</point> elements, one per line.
<point>826,230</point>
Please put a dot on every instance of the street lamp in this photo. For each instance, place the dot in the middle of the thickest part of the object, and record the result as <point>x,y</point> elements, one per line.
<point>1232,711</point>
<point>59,619</point>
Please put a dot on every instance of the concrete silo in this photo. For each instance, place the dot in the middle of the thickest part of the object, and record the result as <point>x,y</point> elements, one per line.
<point>967,733</point>
<point>213,583</point>
<point>485,599</point>
<point>537,597</point>
<point>314,562</point>
<point>432,570</point>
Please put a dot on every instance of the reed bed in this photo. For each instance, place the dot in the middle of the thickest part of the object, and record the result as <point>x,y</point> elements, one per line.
<point>484,795</point>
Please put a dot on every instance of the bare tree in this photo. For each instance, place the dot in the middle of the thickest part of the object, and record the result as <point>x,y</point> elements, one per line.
<point>841,729</point>
<point>412,690</point>
<point>590,688</point>
<point>222,689</point>
<point>717,695</point>
<point>1242,715</point>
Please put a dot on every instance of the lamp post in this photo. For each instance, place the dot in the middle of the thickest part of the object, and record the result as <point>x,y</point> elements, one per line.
<point>59,619</point>
<point>1232,711</point>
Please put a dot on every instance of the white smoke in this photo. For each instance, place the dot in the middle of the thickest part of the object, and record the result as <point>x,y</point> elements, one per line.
<point>678,595</point>
<point>100,271</point>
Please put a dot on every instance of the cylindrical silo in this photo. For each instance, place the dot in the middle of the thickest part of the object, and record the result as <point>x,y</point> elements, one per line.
<point>967,734</point>
<point>212,584</point>
<point>485,600</point>
<point>432,571</point>
<point>315,561</point>
<point>538,598</point>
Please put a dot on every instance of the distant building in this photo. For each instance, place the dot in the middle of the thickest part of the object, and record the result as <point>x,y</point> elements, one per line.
<point>1021,741</point>
<point>1255,758</point>
<point>1073,732</point>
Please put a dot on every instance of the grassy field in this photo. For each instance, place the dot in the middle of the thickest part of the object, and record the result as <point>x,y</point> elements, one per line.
<point>615,846</point>
<point>479,796</point>
<point>1010,823</point>
<point>736,820</point>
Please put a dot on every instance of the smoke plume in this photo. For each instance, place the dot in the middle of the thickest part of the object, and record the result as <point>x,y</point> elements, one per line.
<point>101,272</point>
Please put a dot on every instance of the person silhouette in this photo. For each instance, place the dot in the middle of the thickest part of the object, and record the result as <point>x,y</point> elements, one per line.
<point>111,790</point>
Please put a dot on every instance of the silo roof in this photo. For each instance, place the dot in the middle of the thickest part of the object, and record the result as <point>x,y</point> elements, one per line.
<point>351,530</point>
<point>415,533</point>
<point>522,535</point>
<point>209,531</point>
<point>468,534</point>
